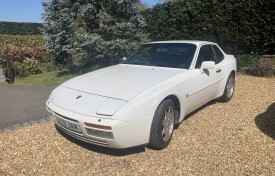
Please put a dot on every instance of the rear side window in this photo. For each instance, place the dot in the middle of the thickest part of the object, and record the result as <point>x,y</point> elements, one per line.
<point>219,54</point>
<point>205,54</point>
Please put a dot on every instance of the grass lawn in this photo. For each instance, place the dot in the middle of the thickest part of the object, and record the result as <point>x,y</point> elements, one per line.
<point>46,79</point>
<point>53,78</point>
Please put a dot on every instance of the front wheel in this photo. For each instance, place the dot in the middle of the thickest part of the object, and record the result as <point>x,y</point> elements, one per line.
<point>229,89</point>
<point>163,125</point>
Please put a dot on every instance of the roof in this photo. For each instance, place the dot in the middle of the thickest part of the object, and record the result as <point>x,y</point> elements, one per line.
<point>196,42</point>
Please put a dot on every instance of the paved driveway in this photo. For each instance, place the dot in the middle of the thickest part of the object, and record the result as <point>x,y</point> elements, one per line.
<point>22,104</point>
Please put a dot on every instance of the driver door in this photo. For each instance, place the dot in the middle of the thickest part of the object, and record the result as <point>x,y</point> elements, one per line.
<point>204,85</point>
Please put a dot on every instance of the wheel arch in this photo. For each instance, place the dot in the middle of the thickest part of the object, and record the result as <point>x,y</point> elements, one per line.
<point>176,101</point>
<point>234,73</point>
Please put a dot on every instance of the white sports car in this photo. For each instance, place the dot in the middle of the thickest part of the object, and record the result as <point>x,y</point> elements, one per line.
<point>139,101</point>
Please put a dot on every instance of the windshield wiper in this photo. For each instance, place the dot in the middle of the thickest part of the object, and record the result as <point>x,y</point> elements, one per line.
<point>166,65</point>
<point>161,65</point>
<point>137,63</point>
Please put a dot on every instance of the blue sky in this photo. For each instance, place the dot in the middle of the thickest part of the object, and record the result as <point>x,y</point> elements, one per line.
<point>30,10</point>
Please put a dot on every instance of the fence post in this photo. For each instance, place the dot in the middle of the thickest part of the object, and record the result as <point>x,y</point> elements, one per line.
<point>8,71</point>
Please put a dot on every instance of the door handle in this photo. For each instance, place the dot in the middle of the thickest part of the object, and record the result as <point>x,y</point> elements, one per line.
<point>218,70</point>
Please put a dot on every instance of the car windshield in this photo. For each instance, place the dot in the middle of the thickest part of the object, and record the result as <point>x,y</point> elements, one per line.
<point>174,55</point>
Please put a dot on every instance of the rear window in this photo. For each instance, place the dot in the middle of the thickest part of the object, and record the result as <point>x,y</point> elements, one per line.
<point>205,54</point>
<point>218,53</point>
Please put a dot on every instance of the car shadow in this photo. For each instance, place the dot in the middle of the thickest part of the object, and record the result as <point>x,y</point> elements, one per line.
<point>201,108</point>
<point>266,121</point>
<point>100,149</point>
<point>196,111</point>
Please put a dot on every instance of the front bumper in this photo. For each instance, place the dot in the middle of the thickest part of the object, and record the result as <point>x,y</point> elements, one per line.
<point>124,134</point>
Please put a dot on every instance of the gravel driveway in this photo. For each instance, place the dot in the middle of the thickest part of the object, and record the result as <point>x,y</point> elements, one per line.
<point>235,138</point>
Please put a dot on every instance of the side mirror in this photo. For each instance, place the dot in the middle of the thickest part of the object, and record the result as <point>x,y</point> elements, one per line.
<point>207,65</point>
<point>122,59</point>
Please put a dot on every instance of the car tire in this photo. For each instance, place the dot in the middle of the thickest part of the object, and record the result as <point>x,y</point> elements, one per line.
<point>162,125</point>
<point>229,89</point>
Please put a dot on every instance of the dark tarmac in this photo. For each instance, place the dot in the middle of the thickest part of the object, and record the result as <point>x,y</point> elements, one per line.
<point>22,104</point>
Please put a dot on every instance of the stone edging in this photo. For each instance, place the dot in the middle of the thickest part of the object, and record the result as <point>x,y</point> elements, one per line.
<point>27,123</point>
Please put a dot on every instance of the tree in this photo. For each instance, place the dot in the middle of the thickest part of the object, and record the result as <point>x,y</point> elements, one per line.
<point>79,32</point>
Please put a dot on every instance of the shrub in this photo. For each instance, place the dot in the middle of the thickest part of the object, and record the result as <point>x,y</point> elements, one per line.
<point>262,67</point>
<point>40,54</point>
<point>17,54</point>
<point>48,67</point>
<point>245,60</point>
<point>13,53</point>
<point>26,68</point>
<point>32,41</point>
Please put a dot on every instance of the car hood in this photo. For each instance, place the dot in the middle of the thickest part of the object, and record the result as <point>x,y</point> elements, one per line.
<point>120,81</point>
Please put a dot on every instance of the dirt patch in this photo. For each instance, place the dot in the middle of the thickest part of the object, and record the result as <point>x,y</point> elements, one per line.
<point>221,139</point>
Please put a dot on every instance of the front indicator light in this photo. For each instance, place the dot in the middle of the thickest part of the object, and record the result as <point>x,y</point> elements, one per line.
<point>50,112</point>
<point>97,126</point>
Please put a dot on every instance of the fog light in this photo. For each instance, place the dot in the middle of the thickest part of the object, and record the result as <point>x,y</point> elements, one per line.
<point>101,134</point>
<point>98,126</point>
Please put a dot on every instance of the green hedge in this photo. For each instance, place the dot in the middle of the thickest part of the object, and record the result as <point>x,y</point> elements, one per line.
<point>245,60</point>
<point>238,26</point>
<point>14,28</point>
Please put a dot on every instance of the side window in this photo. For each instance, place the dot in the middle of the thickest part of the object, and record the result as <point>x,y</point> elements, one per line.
<point>219,54</point>
<point>205,54</point>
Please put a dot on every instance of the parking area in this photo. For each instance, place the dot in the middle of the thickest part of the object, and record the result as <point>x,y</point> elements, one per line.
<point>235,138</point>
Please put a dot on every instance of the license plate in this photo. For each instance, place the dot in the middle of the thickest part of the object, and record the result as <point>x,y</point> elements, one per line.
<point>69,125</point>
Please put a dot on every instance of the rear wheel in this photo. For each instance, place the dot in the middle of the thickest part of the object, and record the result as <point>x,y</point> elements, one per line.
<point>163,125</point>
<point>229,89</point>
